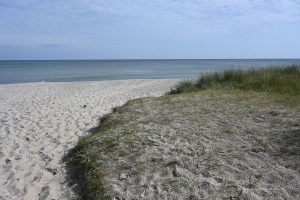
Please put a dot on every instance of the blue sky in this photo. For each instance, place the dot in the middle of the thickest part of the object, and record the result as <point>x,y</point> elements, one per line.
<point>124,29</point>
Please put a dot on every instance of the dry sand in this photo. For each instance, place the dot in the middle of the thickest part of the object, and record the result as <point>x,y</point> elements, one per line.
<point>40,122</point>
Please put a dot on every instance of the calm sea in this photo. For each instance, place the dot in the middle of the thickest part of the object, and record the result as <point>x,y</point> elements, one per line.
<point>87,70</point>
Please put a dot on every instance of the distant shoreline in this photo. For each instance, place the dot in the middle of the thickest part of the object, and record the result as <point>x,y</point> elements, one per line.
<point>91,81</point>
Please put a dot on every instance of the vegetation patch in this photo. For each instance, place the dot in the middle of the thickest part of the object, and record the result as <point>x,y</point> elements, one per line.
<point>283,80</point>
<point>211,144</point>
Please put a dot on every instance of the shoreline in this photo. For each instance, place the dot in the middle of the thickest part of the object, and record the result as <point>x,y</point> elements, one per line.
<point>42,121</point>
<point>91,81</point>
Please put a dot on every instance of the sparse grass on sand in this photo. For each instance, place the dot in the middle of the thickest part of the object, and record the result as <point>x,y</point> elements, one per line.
<point>229,135</point>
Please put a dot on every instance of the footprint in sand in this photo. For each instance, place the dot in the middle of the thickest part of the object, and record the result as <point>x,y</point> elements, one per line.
<point>44,193</point>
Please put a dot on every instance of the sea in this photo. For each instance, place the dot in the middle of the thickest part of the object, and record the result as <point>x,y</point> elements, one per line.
<point>25,71</point>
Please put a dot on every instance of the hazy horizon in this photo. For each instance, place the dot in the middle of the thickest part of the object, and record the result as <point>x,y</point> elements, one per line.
<point>124,59</point>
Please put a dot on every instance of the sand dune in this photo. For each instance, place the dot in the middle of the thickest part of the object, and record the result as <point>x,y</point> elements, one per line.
<point>40,122</point>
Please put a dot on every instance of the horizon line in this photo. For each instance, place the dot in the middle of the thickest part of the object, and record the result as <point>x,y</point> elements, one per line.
<point>124,59</point>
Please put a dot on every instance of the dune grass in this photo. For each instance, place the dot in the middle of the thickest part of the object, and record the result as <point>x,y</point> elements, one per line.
<point>170,141</point>
<point>137,139</point>
<point>277,79</point>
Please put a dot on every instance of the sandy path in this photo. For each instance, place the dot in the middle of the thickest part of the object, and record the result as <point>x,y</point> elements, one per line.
<point>40,122</point>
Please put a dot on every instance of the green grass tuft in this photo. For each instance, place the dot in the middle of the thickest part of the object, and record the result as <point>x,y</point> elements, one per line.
<point>185,86</point>
<point>90,176</point>
<point>280,80</point>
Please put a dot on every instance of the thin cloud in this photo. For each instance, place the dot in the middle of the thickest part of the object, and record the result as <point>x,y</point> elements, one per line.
<point>271,11</point>
<point>207,13</point>
<point>138,25</point>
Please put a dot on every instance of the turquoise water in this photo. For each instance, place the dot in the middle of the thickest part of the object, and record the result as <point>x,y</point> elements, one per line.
<point>87,70</point>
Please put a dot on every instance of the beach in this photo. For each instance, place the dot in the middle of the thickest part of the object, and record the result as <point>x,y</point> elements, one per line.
<point>41,121</point>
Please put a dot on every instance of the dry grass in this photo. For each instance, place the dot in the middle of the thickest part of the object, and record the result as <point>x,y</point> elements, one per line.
<point>203,145</point>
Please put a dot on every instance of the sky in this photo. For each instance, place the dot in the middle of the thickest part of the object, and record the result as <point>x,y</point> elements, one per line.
<point>143,29</point>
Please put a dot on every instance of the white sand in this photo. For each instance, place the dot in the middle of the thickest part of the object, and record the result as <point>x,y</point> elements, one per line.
<point>40,122</point>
